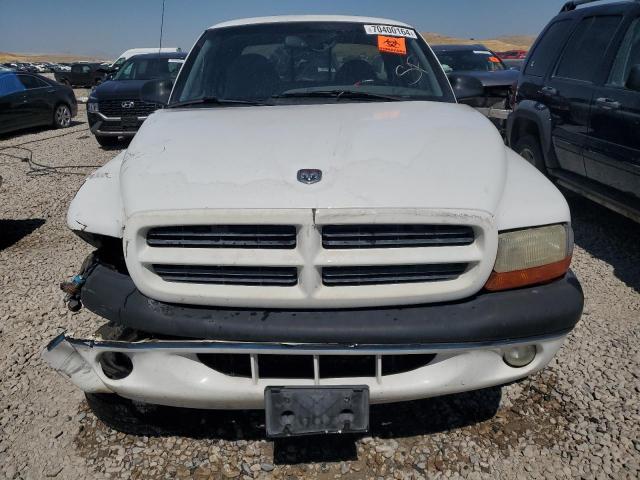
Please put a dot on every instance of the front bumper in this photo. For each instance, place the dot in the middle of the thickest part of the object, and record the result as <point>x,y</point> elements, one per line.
<point>104,126</point>
<point>171,372</point>
<point>463,343</point>
<point>541,311</point>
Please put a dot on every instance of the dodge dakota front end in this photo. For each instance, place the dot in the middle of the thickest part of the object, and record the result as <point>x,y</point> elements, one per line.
<point>314,221</point>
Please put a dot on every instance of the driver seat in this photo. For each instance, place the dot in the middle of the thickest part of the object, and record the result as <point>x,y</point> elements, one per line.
<point>251,76</point>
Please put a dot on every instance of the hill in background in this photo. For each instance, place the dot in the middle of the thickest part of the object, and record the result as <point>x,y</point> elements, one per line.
<point>499,44</point>
<point>42,57</point>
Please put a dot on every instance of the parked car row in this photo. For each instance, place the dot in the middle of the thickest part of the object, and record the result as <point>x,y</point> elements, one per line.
<point>43,67</point>
<point>115,109</point>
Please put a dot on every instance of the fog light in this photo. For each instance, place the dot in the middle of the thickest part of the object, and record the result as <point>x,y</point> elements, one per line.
<point>116,365</point>
<point>520,356</point>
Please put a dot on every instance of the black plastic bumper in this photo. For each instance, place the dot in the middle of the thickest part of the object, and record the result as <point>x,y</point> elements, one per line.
<point>111,127</point>
<point>540,311</point>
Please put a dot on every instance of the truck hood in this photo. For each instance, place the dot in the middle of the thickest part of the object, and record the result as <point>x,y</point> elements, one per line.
<point>118,89</point>
<point>372,155</point>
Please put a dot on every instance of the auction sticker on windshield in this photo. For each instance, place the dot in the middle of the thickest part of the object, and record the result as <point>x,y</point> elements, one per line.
<point>392,45</point>
<point>390,30</point>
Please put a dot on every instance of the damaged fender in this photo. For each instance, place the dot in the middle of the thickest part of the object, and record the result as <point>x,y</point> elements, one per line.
<point>97,207</point>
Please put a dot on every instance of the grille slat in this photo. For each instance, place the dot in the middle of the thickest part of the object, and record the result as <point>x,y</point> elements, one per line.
<point>392,274</point>
<point>224,236</point>
<point>281,366</point>
<point>395,236</point>
<point>113,108</point>
<point>228,275</point>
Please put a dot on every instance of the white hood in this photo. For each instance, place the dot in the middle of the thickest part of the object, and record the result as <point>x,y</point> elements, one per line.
<point>372,154</point>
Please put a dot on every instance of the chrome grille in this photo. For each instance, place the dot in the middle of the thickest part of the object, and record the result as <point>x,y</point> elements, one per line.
<point>395,236</point>
<point>229,275</point>
<point>224,236</point>
<point>390,274</point>
<point>113,108</point>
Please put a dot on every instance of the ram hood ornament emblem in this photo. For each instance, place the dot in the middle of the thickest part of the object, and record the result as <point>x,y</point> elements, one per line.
<point>309,175</point>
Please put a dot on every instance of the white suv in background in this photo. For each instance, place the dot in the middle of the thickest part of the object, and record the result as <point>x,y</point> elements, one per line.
<point>127,54</point>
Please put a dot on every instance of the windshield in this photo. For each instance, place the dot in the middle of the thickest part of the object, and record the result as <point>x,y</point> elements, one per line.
<point>470,60</point>
<point>141,68</point>
<point>327,60</point>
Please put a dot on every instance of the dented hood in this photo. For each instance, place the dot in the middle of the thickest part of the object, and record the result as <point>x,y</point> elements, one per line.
<point>372,154</point>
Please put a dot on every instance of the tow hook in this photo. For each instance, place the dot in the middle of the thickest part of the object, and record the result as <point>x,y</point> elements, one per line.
<point>73,287</point>
<point>72,290</point>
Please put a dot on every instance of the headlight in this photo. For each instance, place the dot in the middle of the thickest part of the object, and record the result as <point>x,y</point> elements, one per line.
<point>92,107</point>
<point>531,256</point>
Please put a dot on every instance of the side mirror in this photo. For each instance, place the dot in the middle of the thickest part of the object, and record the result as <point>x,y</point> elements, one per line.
<point>466,87</point>
<point>156,91</point>
<point>633,81</point>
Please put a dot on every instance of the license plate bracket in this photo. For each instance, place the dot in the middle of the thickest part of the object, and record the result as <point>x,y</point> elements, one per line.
<point>312,410</point>
<point>129,122</point>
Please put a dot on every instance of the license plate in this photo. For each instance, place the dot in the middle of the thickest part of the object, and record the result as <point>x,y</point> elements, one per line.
<point>129,122</point>
<point>294,411</point>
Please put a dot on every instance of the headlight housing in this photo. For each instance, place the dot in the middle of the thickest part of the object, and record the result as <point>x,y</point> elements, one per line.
<point>92,107</point>
<point>531,256</point>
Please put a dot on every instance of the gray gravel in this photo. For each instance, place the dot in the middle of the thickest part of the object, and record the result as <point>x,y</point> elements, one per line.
<point>579,418</point>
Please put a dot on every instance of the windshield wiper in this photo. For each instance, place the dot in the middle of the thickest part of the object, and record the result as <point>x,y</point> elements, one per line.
<point>213,101</point>
<point>338,94</point>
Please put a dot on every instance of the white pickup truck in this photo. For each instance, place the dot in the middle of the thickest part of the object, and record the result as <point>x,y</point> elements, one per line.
<point>311,225</point>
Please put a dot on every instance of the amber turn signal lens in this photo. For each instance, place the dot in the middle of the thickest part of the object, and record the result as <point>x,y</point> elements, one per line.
<point>530,276</point>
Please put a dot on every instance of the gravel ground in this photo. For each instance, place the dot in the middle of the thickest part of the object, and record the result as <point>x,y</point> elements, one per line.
<point>579,418</point>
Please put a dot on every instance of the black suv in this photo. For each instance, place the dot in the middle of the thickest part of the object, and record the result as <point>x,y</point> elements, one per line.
<point>577,113</point>
<point>83,74</point>
<point>115,108</point>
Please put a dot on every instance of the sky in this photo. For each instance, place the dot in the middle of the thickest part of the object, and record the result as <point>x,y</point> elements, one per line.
<point>106,28</point>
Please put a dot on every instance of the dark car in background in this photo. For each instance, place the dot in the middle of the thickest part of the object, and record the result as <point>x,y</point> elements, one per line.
<point>577,113</point>
<point>115,108</point>
<point>513,64</point>
<point>30,100</point>
<point>479,62</point>
<point>83,74</point>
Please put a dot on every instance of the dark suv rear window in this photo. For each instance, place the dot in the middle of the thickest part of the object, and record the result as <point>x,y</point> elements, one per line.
<point>548,48</point>
<point>587,47</point>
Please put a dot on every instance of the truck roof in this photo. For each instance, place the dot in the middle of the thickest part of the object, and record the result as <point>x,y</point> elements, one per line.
<point>160,55</point>
<point>309,18</point>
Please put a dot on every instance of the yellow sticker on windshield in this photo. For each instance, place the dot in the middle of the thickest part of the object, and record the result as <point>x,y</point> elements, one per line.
<point>392,45</point>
